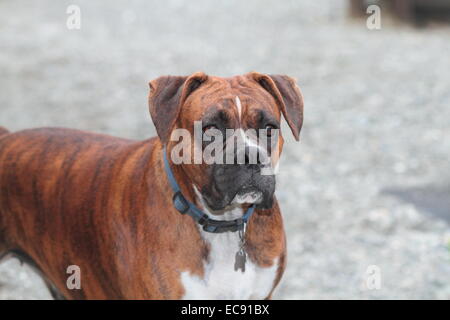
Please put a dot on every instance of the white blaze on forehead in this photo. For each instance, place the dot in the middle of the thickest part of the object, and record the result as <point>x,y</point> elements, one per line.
<point>239,107</point>
<point>246,139</point>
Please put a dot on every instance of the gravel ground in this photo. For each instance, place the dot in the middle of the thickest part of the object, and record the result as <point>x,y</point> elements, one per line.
<point>369,184</point>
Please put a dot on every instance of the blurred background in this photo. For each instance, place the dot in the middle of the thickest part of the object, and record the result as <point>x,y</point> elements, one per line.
<point>369,183</point>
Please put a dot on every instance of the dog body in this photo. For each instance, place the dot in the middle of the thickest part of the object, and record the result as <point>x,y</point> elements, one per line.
<point>104,204</point>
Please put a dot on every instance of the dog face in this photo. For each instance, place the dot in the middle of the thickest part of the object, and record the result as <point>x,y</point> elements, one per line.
<point>233,127</point>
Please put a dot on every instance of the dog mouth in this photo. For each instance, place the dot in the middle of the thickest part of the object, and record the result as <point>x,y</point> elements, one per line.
<point>239,190</point>
<point>248,195</point>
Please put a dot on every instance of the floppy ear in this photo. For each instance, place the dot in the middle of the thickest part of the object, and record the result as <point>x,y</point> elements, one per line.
<point>288,97</point>
<point>167,95</point>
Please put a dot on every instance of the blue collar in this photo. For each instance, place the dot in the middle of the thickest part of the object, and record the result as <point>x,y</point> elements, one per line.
<point>186,207</point>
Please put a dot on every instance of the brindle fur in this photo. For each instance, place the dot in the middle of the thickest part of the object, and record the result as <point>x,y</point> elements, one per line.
<point>69,197</point>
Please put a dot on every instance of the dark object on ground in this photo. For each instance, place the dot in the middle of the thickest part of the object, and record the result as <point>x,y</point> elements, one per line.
<point>416,11</point>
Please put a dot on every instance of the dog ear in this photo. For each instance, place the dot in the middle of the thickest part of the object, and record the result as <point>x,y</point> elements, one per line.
<point>287,95</point>
<point>167,95</point>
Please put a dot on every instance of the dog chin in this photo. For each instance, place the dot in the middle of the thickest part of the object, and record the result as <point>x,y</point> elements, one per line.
<point>249,197</point>
<point>246,196</point>
<point>257,199</point>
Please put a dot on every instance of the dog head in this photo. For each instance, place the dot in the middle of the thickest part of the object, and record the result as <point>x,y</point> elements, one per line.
<point>235,123</point>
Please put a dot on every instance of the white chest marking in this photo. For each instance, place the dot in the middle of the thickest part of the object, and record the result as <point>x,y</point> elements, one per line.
<point>220,281</point>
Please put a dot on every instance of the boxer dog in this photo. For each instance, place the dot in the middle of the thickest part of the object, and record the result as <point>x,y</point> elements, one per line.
<point>139,226</point>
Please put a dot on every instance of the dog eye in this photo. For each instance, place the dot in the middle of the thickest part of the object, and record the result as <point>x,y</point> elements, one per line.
<point>270,129</point>
<point>209,127</point>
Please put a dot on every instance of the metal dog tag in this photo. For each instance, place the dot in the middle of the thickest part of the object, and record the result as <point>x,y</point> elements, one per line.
<point>241,256</point>
<point>240,259</point>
